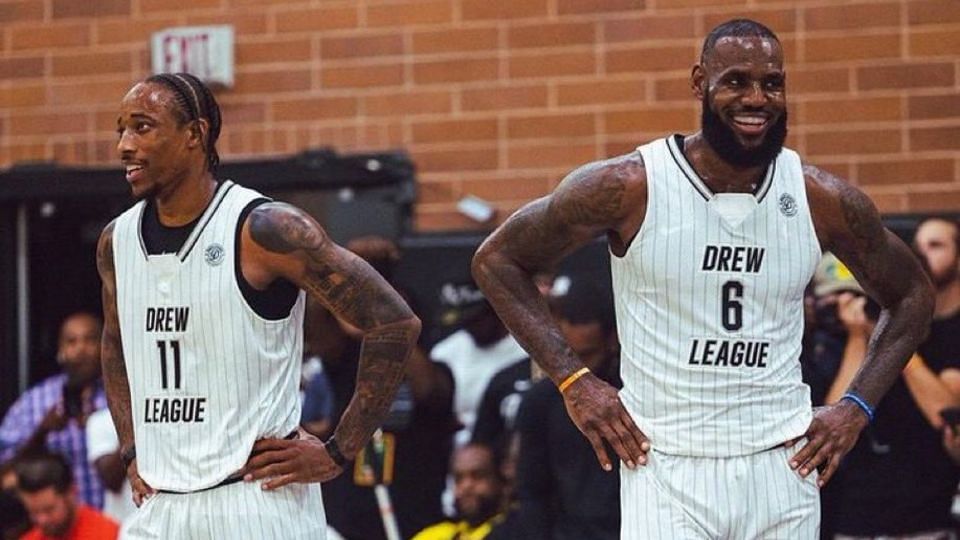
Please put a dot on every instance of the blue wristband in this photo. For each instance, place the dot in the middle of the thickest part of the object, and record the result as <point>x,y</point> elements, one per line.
<point>860,403</point>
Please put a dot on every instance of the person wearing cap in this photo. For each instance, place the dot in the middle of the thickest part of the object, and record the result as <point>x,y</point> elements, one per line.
<point>898,480</point>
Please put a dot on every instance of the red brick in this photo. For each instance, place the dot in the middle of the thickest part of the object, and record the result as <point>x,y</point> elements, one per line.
<point>482,129</point>
<point>840,169</point>
<point>936,43</point>
<point>112,31</point>
<point>551,126</point>
<point>361,46</point>
<point>515,9</point>
<point>362,76</point>
<point>456,40</point>
<point>834,142</point>
<point>910,75</point>
<point>673,89</point>
<point>314,109</point>
<point>614,147</point>
<point>541,156</point>
<point>931,107</point>
<point>460,70</point>
<point>183,6</point>
<point>905,171</point>
<point>600,92</point>
<point>652,58</point>
<point>847,48</point>
<point>505,97</point>
<point>807,80</point>
<point>99,92</point>
<point>551,35</point>
<point>461,159</point>
<point>274,80</point>
<point>244,24</point>
<point>274,50</point>
<point>437,192</point>
<point>444,220</point>
<point>568,7</point>
<point>53,123</point>
<point>933,11</point>
<point>29,152</point>
<point>678,4</point>
<point>314,20</point>
<point>27,10</point>
<point>850,110</point>
<point>661,119</point>
<point>782,21</point>
<point>14,68</point>
<point>98,8</point>
<point>510,187</point>
<point>408,103</point>
<point>888,203</point>
<point>409,14</point>
<point>22,96</point>
<point>92,63</point>
<point>546,64</point>
<point>938,138</point>
<point>851,17</point>
<point>649,27</point>
<point>49,36</point>
<point>934,201</point>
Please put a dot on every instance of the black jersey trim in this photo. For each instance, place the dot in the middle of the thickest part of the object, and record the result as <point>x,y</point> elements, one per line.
<point>143,244</point>
<point>218,198</point>
<point>674,146</point>
<point>274,303</point>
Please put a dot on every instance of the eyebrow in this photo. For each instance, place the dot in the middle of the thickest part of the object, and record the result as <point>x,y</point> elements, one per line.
<point>136,116</point>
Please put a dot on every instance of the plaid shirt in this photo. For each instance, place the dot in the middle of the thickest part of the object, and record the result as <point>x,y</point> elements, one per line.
<point>26,414</point>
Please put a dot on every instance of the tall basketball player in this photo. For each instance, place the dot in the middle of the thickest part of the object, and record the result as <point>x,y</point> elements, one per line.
<point>713,237</point>
<point>203,292</point>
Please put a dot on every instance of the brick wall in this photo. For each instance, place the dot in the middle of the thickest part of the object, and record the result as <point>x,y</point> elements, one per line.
<point>499,98</point>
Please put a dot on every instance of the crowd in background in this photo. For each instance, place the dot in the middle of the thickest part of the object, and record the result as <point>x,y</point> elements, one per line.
<point>479,445</point>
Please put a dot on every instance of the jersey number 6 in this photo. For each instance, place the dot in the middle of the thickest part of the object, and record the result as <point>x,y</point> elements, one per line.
<point>731,309</point>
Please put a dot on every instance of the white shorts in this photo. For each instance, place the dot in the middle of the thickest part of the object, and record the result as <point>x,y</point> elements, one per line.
<point>737,498</point>
<point>236,511</point>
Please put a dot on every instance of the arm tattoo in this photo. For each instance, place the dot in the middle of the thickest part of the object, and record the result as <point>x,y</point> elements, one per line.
<point>589,202</point>
<point>113,365</point>
<point>355,292</point>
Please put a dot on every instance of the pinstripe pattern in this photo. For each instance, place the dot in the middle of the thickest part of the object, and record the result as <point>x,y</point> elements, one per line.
<point>246,369</point>
<point>668,305</point>
<point>698,498</point>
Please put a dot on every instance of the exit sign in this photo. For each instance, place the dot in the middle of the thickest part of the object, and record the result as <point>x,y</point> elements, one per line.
<point>203,51</point>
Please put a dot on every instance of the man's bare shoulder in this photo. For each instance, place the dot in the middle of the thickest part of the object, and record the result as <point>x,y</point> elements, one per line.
<point>608,189</point>
<point>279,227</point>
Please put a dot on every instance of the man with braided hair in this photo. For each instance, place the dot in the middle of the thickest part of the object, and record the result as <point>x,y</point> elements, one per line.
<point>204,285</point>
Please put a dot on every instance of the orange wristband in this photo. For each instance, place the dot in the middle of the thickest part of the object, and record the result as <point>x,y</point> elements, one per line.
<point>572,378</point>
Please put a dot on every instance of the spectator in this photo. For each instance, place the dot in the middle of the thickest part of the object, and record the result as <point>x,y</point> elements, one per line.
<point>53,413</point>
<point>317,414</point>
<point>103,451</point>
<point>14,521</point>
<point>475,353</point>
<point>562,493</point>
<point>45,485</point>
<point>478,497</point>
<point>898,480</point>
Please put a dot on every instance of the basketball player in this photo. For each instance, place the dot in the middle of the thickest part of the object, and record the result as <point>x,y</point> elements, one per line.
<point>713,237</point>
<point>203,291</point>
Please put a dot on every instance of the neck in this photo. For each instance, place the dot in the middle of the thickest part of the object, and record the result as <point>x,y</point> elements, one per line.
<point>720,176</point>
<point>948,300</point>
<point>186,200</point>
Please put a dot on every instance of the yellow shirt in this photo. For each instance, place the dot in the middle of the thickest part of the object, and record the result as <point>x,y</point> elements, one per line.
<point>449,530</point>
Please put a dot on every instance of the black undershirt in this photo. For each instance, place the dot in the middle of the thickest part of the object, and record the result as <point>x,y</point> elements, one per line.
<point>273,303</point>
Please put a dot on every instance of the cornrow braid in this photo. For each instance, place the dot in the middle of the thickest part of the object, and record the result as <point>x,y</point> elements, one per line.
<point>194,101</point>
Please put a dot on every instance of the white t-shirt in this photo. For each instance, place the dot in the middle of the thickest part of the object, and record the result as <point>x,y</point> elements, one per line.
<point>472,369</point>
<point>101,441</point>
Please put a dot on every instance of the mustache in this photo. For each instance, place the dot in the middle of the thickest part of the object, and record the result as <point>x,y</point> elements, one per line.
<point>723,140</point>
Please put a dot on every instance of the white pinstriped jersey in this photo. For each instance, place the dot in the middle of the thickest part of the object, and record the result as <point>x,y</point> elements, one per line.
<point>208,376</point>
<point>709,301</point>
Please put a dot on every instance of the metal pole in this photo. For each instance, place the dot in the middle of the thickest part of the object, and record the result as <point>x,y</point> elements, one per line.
<point>23,298</point>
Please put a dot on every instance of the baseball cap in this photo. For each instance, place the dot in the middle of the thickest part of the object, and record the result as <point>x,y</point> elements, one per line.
<point>460,302</point>
<point>832,276</point>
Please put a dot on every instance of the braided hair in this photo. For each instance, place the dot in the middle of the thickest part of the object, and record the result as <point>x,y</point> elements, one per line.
<point>194,101</point>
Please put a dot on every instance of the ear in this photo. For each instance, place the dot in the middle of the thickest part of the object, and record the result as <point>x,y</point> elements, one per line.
<point>698,81</point>
<point>198,133</point>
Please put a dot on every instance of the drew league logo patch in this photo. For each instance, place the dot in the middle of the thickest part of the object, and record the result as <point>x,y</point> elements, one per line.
<point>214,254</point>
<point>788,206</point>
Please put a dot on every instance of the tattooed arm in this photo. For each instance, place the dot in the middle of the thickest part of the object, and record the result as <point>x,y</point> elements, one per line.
<point>279,240</point>
<point>113,365</point>
<point>848,225</point>
<point>607,197</point>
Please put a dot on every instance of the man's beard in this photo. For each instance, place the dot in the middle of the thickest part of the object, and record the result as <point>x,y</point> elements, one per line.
<point>944,279</point>
<point>723,140</point>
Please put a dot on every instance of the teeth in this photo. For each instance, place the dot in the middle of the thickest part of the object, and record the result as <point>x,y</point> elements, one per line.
<point>131,168</point>
<point>750,120</point>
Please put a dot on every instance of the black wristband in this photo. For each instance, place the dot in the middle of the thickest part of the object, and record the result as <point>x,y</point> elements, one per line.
<point>127,456</point>
<point>333,450</point>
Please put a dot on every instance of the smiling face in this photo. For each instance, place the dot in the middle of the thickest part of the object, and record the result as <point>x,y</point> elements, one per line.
<point>742,86</point>
<point>157,150</point>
